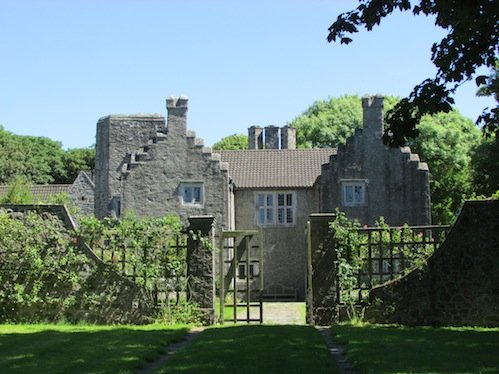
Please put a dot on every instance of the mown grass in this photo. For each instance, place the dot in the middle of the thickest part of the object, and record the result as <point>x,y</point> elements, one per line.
<point>82,349</point>
<point>398,349</point>
<point>254,349</point>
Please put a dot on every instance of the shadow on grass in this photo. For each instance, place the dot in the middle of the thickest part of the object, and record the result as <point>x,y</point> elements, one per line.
<point>254,349</point>
<point>396,349</point>
<point>89,349</point>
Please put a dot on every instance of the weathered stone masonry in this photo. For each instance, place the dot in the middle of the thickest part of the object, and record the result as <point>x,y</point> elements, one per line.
<point>117,136</point>
<point>146,172</point>
<point>459,285</point>
<point>396,182</point>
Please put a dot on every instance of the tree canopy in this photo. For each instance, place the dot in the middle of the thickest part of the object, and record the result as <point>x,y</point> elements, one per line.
<point>231,143</point>
<point>447,142</point>
<point>328,123</point>
<point>472,42</point>
<point>40,160</point>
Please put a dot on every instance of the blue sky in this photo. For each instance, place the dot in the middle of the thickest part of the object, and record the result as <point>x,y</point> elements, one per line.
<point>65,64</point>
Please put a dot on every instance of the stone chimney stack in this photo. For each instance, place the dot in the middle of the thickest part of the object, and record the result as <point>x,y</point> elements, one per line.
<point>177,115</point>
<point>373,116</point>
<point>271,137</point>
<point>288,137</point>
<point>255,137</point>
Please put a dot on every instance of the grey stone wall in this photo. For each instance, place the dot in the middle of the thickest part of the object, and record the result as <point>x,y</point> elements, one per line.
<point>460,283</point>
<point>152,176</point>
<point>322,300</point>
<point>117,136</point>
<point>396,182</point>
<point>201,265</point>
<point>82,193</point>
<point>284,250</point>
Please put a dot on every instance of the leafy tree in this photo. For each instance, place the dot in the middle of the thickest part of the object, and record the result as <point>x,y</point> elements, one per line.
<point>232,142</point>
<point>76,160</point>
<point>41,159</point>
<point>14,157</point>
<point>490,88</point>
<point>485,161</point>
<point>45,163</point>
<point>446,142</point>
<point>37,158</point>
<point>472,42</point>
<point>328,123</point>
<point>491,85</point>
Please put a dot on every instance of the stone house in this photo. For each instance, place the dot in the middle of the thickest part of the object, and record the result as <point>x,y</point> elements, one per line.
<point>152,166</point>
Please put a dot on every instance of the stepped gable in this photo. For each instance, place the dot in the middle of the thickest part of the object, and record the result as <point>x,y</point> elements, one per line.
<point>394,180</point>
<point>176,107</point>
<point>155,174</point>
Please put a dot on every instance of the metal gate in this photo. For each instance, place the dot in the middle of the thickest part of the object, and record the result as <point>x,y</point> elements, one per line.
<point>241,276</point>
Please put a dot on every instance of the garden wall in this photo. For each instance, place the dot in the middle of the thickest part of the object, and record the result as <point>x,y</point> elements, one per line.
<point>459,285</point>
<point>100,294</point>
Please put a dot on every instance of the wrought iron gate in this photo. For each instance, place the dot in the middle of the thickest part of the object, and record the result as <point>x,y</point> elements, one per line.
<point>241,276</point>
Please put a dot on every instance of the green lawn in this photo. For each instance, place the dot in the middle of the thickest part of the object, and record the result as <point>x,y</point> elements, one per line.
<point>82,349</point>
<point>397,349</point>
<point>254,349</point>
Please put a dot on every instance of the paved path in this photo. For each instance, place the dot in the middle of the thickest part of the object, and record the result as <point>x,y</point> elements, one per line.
<point>283,313</point>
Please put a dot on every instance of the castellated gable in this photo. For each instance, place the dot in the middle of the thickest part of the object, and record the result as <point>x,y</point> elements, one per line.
<point>153,171</point>
<point>393,181</point>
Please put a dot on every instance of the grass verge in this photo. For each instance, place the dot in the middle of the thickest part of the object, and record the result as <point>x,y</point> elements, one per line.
<point>254,349</point>
<point>82,349</point>
<point>397,349</point>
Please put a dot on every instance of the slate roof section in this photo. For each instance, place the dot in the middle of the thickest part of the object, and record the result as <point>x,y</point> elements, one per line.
<point>276,168</point>
<point>42,192</point>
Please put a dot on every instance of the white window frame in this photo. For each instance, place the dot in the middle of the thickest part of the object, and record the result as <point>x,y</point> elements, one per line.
<point>354,192</point>
<point>191,193</point>
<point>275,208</point>
<point>242,268</point>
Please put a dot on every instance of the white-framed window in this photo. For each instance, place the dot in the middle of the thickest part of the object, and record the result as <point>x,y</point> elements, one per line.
<point>242,270</point>
<point>353,193</point>
<point>275,208</point>
<point>192,193</point>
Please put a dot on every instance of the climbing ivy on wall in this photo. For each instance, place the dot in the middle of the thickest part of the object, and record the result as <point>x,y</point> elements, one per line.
<point>38,267</point>
<point>143,249</point>
<point>44,276</point>
<point>361,252</point>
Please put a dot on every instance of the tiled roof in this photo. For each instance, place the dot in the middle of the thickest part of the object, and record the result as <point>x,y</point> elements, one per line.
<point>276,168</point>
<point>42,191</point>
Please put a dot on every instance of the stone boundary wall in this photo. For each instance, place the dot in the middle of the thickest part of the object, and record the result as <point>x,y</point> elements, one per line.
<point>103,296</point>
<point>322,288</point>
<point>460,283</point>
